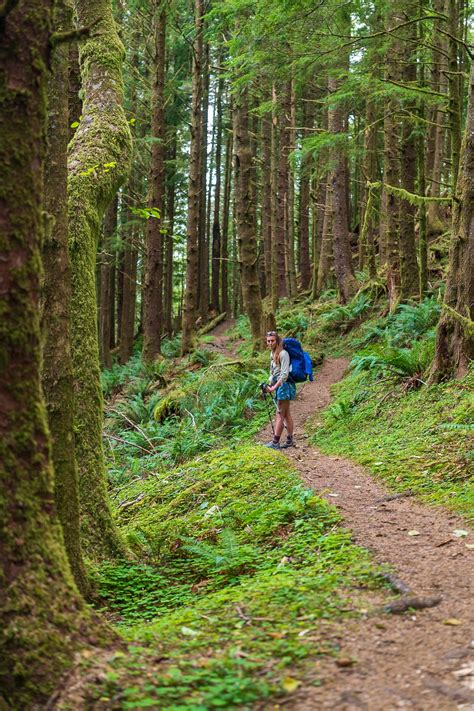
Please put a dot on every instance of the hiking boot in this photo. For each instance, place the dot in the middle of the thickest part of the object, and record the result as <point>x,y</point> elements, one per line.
<point>273,445</point>
<point>290,442</point>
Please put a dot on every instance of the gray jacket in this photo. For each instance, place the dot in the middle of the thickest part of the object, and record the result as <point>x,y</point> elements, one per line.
<point>280,371</point>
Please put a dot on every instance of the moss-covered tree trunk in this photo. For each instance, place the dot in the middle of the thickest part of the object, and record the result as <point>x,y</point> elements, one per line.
<point>245,213</point>
<point>98,164</point>
<point>57,376</point>
<point>43,622</point>
<point>455,335</point>
<point>266,139</point>
<point>191,301</point>
<point>107,275</point>
<point>153,287</point>
<point>391,174</point>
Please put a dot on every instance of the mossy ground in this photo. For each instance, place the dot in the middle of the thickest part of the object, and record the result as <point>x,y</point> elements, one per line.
<point>240,570</point>
<point>239,573</point>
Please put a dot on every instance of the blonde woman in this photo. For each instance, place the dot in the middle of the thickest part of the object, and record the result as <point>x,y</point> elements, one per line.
<point>281,384</point>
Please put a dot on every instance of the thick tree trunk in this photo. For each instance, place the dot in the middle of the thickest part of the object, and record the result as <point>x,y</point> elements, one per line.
<point>191,302</point>
<point>367,246</point>
<point>106,301</point>
<point>343,267</point>
<point>153,283</point>
<point>245,211</point>
<point>455,335</point>
<point>455,94</point>
<point>98,164</point>
<point>57,376</point>
<point>43,621</point>
<point>290,203</point>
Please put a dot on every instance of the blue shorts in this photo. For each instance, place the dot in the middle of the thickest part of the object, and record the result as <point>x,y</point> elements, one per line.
<point>286,391</point>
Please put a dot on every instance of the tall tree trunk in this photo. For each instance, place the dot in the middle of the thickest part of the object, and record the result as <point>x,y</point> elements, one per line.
<point>102,139</point>
<point>391,203</point>
<point>455,95</point>
<point>343,267</point>
<point>106,302</point>
<point>57,376</point>
<point>216,224</point>
<point>129,283</point>
<point>290,203</point>
<point>367,241</point>
<point>191,302</point>
<point>303,222</point>
<point>326,253</point>
<point>245,211</point>
<point>267,200</point>
<point>43,621</point>
<point>153,283</point>
<point>226,209</point>
<point>455,335</point>
<point>276,247</point>
<point>283,182</point>
<point>203,284</point>
<point>168,258</point>
<point>409,273</point>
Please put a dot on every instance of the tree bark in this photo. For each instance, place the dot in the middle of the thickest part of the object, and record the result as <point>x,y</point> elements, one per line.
<point>245,212</point>
<point>343,267</point>
<point>168,257</point>
<point>283,196</point>
<point>226,209</point>
<point>106,301</point>
<point>455,334</point>
<point>303,222</point>
<point>98,164</point>
<point>390,202</point>
<point>216,224</point>
<point>57,376</point>
<point>409,272</point>
<point>129,282</point>
<point>191,302</point>
<point>267,201</point>
<point>203,283</point>
<point>43,620</point>
<point>153,284</point>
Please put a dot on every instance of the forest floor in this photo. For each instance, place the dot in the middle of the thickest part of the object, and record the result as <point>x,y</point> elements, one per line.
<point>419,660</point>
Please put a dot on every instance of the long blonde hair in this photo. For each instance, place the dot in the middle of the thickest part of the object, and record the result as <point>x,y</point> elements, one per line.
<point>278,347</point>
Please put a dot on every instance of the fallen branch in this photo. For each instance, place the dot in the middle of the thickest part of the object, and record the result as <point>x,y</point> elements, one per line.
<point>398,607</point>
<point>396,584</point>
<point>124,441</point>
<point>212,324</point>
<point>394,497</point>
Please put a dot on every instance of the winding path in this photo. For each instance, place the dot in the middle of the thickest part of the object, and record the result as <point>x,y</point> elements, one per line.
<point>423,660</point>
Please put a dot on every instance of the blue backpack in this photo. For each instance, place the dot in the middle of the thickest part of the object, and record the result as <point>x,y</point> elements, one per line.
<point>301,366</point>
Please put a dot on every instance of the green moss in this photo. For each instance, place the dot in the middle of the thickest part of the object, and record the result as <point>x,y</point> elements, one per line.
<point>102,139</point>
<point>246,570</point>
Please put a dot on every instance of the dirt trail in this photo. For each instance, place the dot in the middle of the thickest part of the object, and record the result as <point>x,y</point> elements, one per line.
<point>410,661</point>
<point>220,344</point>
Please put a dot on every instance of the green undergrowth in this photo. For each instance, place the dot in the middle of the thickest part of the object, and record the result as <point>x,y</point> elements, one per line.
<point>241,571</point>
<point>420,439</point>
<point>169,412</point>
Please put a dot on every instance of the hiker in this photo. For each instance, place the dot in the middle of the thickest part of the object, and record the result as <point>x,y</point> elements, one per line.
<point>280,383</point>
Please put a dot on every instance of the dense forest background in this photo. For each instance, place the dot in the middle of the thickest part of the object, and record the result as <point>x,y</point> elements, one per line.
<point>169,165</point>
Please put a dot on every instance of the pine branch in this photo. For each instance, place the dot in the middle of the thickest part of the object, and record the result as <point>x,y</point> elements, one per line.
<point>76,35</point>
